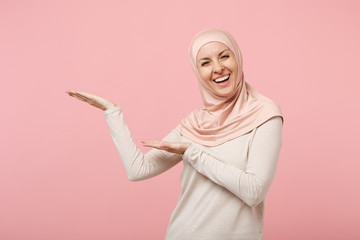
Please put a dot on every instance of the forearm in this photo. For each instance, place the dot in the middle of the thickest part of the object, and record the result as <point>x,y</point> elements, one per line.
<point>138,166</point>
<point>252,184</point>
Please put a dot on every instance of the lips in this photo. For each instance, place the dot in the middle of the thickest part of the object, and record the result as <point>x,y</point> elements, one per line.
<point>222,80</point>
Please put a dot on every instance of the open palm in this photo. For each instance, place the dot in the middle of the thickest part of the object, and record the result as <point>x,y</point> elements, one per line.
<point>91,99</point>
<point>174,147</point>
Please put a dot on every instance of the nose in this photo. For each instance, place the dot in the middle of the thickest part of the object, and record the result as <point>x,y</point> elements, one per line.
<point>218,67</point>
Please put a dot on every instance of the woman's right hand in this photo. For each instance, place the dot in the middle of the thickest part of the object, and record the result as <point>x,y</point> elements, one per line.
<point>93,100</point>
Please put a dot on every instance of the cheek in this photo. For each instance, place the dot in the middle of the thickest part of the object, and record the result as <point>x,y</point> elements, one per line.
<point>205,74</point>
<point>234,68</point>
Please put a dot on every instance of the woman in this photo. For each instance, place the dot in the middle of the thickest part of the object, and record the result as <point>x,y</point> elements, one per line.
<point>230,148</point>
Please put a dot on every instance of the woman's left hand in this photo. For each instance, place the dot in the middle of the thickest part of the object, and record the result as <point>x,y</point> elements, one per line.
<point>173,147</point>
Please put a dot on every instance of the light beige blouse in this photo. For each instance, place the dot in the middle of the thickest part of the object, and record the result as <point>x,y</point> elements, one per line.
<point>222,188</point>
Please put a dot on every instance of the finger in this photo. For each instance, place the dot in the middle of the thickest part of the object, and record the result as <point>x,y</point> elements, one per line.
<point>86,95</point>
<point>71,93</point>
<point>153,143</point>
<point>83,98</point>
<point>150,142</point>
<point>78,93</point>
<point>79,97</point>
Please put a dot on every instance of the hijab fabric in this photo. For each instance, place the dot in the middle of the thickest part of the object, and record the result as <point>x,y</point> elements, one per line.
<point>224,118</point>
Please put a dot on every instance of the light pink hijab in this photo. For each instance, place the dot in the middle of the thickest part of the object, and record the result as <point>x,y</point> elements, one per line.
<point>224,118</point>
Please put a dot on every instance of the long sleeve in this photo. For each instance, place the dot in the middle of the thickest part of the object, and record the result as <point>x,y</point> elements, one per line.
<point>252,184</point>
<point>138,166</point>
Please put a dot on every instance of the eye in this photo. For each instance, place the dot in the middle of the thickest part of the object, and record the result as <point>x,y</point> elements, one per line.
<point>205,63</point>
<point>225,56</point>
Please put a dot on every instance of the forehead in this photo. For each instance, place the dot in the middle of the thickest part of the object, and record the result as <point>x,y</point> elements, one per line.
<point>211,49</point>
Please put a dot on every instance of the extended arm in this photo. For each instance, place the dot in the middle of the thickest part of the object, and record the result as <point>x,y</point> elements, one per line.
<point>138,166</point>
<point>252,184</point>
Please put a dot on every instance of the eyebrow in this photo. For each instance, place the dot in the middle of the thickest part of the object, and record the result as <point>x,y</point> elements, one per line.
<point>206,58</point>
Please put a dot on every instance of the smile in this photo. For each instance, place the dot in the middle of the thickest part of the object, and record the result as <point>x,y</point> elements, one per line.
<point>222,80</point>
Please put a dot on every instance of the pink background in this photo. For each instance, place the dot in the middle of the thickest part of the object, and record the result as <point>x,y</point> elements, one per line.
<point>60,174</point>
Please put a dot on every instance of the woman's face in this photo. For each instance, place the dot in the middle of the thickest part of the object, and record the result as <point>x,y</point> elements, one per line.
<point>217,66</point>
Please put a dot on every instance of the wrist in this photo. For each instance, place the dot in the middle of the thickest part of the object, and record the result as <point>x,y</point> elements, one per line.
<point>186,146</point>
<point>109,106</point>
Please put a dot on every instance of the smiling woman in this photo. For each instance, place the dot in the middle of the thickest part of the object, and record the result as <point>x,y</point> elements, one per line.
<point>229,149</point>
<point>217,66</point>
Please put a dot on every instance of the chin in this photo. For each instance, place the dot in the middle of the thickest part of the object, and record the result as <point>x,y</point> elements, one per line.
<point>226,92</point>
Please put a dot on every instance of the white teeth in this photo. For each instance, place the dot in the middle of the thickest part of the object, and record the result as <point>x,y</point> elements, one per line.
<point>218,80</point>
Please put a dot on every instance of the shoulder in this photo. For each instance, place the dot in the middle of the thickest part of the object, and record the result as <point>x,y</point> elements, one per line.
<point>268,135</point>
<point>272,126</point>
<point>273,121</point>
